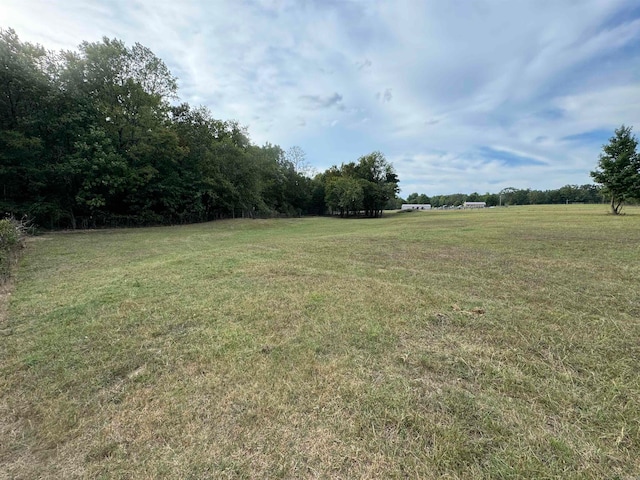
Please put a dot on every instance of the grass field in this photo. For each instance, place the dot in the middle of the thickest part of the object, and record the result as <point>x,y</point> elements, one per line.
<point>502,343</point>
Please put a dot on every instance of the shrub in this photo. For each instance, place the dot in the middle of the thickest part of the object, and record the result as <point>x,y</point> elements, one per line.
<point>12,233</point>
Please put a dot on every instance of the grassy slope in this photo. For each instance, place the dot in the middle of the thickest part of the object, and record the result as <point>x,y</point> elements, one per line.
<point>331,348</point>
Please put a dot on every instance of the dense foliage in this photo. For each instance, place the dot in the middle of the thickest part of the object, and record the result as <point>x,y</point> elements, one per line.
<point>96,138</point>
<point>619,169</point>
<point>366,186</point>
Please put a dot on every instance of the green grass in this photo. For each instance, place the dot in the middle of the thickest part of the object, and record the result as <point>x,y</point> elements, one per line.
<point>502,343</point>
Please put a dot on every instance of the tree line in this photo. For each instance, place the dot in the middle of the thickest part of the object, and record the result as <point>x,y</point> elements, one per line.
<point>98,137</point>
<point>513,196</point>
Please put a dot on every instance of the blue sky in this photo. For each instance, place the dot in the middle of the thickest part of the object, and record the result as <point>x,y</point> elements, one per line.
<point>459,95</point>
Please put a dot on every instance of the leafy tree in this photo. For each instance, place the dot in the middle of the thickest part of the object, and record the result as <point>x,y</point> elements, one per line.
<point>418,198</point>
<point>537,197</point>
<point>491,199</point>
<point>473,197</point>
<point>381,182</point>
<point>94,175</point>
<point>619,168</point>
<point>23,91</point>
<point>455,199</point>
<point>317,204</point>
<point>423,199</point>
<point>346,195</point>
<point>198,135</point>
<point>412,197</point>
<point>395,203</point>
<point>590,193</point>
<point>369,185</point>
<point>520,197</point>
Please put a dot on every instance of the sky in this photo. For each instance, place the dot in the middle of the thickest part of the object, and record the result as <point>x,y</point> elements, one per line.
<point>459,95</point>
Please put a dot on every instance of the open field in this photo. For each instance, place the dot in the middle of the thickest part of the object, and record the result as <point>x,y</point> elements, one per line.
<point>502,343</point>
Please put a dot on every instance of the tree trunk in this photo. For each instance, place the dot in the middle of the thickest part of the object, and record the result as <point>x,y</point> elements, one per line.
<point>72,217</point>
<point>615,207</point>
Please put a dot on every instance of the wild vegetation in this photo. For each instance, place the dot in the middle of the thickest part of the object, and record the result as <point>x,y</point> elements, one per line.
<point>496,343</point>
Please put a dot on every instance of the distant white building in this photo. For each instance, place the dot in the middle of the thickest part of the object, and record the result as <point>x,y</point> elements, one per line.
<point>474,204</point>
<point>416,206</point>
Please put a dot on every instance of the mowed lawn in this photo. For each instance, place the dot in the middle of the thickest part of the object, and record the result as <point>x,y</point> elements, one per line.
<point>502,343</point>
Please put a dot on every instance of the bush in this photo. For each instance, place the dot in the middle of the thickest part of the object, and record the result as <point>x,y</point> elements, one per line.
<point>12,233</point>
<point>9,234</point>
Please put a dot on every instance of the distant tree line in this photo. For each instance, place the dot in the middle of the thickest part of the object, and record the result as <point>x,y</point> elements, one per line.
<point>97,137</point>
<point>511,196</point>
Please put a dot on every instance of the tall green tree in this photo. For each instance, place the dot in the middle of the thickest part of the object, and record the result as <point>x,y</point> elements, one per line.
<point>619,168</point>
<point>24,89</point>
<point>345,195</point>
<point>381,182</point>
<point>368,185</point>
<point>413,197</point>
